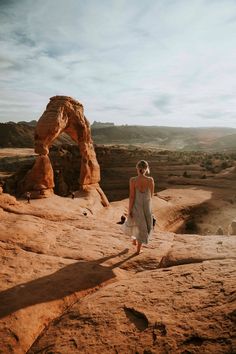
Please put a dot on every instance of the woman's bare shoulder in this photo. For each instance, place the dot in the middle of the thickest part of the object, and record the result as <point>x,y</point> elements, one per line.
<point>132,179</point>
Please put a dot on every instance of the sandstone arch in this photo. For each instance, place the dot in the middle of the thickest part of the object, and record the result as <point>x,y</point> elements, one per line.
<point>63,114</point>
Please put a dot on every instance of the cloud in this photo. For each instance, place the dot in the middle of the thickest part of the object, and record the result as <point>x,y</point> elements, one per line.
<point>131,62</point>
<point>163,103</point>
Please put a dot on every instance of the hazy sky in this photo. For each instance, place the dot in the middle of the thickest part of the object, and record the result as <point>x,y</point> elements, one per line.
<point>150,62</point>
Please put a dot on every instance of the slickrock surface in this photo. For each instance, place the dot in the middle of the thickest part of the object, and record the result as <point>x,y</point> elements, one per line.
<point>72,283</point>
<point>187,309</point>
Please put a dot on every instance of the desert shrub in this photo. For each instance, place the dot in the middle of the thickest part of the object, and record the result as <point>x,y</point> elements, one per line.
<point>191,226</point>
<point>186,175</point>
<point>224,165</point>
<point>227,163</point>
<point>208,163</point>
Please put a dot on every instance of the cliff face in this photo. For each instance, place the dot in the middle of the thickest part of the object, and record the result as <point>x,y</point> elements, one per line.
<point>118,163</point>
<point>168,168</point>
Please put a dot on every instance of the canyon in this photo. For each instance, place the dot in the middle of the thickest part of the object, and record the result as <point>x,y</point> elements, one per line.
<point>211,172</point>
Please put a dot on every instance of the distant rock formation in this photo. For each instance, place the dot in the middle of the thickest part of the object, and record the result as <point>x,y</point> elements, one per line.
<point>63,114</point>
<point>16,135</point>
<point>98,125</point>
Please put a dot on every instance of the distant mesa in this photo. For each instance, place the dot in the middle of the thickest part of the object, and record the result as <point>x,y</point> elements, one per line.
<point>62,114</point>
<point>32,123</point>
<point>97,125</point>
<point>16,135</point>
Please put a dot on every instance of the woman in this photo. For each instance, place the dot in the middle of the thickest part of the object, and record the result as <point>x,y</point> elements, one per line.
<point>141,191</point>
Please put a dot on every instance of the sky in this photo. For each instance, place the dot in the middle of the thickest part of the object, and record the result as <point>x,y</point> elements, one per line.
<point>136,62</point>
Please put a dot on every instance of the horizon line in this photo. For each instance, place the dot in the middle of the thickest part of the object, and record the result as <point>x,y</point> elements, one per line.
<point>135,125</point>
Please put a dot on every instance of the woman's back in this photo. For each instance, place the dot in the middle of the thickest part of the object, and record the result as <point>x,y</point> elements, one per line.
<point>143,183</point>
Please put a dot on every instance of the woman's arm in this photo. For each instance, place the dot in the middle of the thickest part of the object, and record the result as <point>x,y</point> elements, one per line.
<point>131,195</point>
<point>152,186</point>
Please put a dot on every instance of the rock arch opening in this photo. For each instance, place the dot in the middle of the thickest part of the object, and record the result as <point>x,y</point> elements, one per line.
<point>63,114</point>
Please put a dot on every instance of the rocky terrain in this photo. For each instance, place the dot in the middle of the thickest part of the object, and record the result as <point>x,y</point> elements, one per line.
<point>214,173</point>
<point>117,165</point>
<point>72,283</point>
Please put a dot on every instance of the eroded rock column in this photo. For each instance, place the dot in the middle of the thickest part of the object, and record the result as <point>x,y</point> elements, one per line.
<point>39,181</point>
<point>90,169</point>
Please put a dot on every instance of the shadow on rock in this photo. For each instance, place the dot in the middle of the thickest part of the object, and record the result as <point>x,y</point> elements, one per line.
<point>79,276</point>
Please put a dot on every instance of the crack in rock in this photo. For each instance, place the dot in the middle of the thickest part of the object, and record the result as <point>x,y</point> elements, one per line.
<point>138,318</point>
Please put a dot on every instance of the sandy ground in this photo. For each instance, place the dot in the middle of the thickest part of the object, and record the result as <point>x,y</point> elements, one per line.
<point>9,152</point>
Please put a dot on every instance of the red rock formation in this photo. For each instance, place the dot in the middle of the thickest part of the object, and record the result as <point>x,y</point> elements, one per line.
<point>39,180</point>
<point>64,114</point>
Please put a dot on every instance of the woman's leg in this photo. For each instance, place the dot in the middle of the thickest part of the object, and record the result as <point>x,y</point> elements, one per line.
<point>139,245</point>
